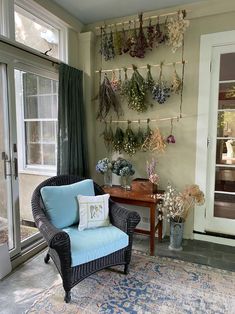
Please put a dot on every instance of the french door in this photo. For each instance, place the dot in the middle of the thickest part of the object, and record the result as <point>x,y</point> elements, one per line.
<point>220,211</point>
<point>215,152</point>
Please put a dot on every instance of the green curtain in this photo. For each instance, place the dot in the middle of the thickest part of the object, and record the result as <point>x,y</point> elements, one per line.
<point>72,150</point>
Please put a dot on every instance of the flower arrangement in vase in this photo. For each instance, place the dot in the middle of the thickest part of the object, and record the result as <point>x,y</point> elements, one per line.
<point>175,207</point>
<point>123,168</point>
<point>105,166</point>
<point>152,174</point>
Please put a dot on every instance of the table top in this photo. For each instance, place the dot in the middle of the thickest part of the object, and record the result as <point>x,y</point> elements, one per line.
<point>117,191</point>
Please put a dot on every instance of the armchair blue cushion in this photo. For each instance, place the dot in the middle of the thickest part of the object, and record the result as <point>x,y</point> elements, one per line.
<point>90,244</point>
<point>61,205</point>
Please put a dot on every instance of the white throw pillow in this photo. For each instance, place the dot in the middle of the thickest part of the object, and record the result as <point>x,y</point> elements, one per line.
<point>93,211</point>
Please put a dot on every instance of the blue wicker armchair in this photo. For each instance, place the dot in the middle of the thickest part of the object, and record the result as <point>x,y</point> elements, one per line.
<point>59,241</point>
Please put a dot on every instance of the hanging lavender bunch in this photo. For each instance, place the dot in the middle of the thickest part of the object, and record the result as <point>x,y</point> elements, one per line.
<point>129,141</point>
<point>137,92</point>
<point>125,87</point>
<point>118,140</point>
<point>111,46</point>
<point>150,35</point>
<point>141,43</point>
<point>160,90</point>
<point>107,100</point>
<point>104,50</point>
<point>149,79</point>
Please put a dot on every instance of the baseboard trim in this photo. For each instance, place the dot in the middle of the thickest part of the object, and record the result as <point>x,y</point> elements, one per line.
<point>213,239</point>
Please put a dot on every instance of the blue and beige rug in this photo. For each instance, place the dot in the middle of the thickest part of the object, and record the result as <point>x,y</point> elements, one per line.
<point>154,285</point>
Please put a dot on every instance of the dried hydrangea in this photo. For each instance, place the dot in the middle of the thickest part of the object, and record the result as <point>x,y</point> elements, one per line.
<point>176,29</point>
<point>161,91</point>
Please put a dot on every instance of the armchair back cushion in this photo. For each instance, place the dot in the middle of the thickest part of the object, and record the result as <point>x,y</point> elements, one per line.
<point>90,244</point>
<point>61,204</point>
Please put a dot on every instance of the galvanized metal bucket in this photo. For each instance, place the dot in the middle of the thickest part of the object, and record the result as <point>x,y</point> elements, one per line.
<point>176,235</point>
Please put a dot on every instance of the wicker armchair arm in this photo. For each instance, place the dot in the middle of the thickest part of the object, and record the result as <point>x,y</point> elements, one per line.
<point>123,218</point>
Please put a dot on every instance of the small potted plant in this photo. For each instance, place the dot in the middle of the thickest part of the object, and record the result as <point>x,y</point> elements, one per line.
<point>123,168</point>
<point>104,166</point>
<point>175,207</point>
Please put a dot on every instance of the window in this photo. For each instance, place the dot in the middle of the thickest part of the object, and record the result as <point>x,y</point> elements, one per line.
<point>33,30</point>
<point>37,117</point>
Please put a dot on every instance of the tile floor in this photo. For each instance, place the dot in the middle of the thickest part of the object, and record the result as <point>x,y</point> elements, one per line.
<point>20,289</point>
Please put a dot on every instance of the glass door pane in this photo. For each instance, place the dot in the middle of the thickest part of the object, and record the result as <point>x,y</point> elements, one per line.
<point>6,220</point>
<point>224,193</point>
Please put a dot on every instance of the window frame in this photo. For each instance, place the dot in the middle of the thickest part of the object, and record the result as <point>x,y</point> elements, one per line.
<point>41,14</point>
<point>21,138</point>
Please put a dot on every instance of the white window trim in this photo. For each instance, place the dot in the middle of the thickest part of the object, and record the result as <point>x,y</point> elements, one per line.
<point>45,16</point>
<point>23,167</point>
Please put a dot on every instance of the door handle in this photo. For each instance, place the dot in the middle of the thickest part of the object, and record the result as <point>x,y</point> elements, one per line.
<point>5,160</point>
<point>15,168</point>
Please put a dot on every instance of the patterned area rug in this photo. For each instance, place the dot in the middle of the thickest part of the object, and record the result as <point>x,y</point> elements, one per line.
<point>154,285</point>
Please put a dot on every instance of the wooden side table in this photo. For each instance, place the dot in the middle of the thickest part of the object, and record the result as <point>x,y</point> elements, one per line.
<point>150,201</point>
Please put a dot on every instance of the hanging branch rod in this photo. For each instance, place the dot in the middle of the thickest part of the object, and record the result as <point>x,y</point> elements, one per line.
<point>137,20</point>
<point>143,66</point>
<point>145,120</point>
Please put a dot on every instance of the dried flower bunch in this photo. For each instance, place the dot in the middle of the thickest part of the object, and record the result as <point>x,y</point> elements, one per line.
<point>155,142</point>
<point>104,165</point>
<point>176,29</point>
<point>177,84</point>
<point>151,171</point>
<point>108,137</point>
<point>122,167</point>
<point>161,91</point>
<point>176,205</point>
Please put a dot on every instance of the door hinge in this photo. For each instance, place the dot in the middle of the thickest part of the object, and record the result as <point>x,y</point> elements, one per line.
<point>208,141</point>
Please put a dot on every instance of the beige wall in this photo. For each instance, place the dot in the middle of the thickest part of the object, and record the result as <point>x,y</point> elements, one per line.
<point>177,164</point>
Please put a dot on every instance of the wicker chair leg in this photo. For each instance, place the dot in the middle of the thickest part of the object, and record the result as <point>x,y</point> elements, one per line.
<point>67,296</point>
<point>47,258</point>
<point>126,269</point>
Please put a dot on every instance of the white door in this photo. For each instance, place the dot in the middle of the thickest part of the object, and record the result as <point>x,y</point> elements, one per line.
<point>215,166</point>
<point>220,210</point>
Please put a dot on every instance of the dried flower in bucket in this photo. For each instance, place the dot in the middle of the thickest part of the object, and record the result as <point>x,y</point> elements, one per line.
<point>176,29</point>
<point>107,99</point>
<point>160,90</point>
<point>129,141</point>
<point>176,84</point>
<point>171,139</point>
<point>137,92</point>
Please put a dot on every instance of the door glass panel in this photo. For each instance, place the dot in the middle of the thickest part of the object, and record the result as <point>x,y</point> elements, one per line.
<point>225,179</point>
<point>224,206</point>
<point>6,225</point>
<point>224,194</point>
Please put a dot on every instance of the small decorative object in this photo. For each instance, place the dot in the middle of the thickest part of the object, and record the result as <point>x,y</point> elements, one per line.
<point>155,142</point>
<point>176,84</point>
<point>152,174</point>
<point>141,42</point>
<point>123,168</point>
<point>149,79</point>
<point>107,99</point>
<point>176,29</point>
<point>108,137</point>
<point>150,35</point>
<point>129,141</point>
<point>161,91</point>
<point>118,140</point>
<point>175,207</point>
<point>137,92</point>
<point>171,138</point>
<point>105,167</point>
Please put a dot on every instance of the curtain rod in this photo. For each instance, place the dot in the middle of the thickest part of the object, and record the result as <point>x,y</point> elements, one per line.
<point>137,20</point>
<point>38,54</point>
<point>144,120</point>
<point>143,66</point>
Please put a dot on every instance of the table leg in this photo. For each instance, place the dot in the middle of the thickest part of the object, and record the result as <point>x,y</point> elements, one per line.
<point>152,229</point>
<point>159,229</point>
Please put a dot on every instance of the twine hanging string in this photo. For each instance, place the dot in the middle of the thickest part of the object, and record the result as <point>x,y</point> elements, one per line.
<point>182,79</point>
